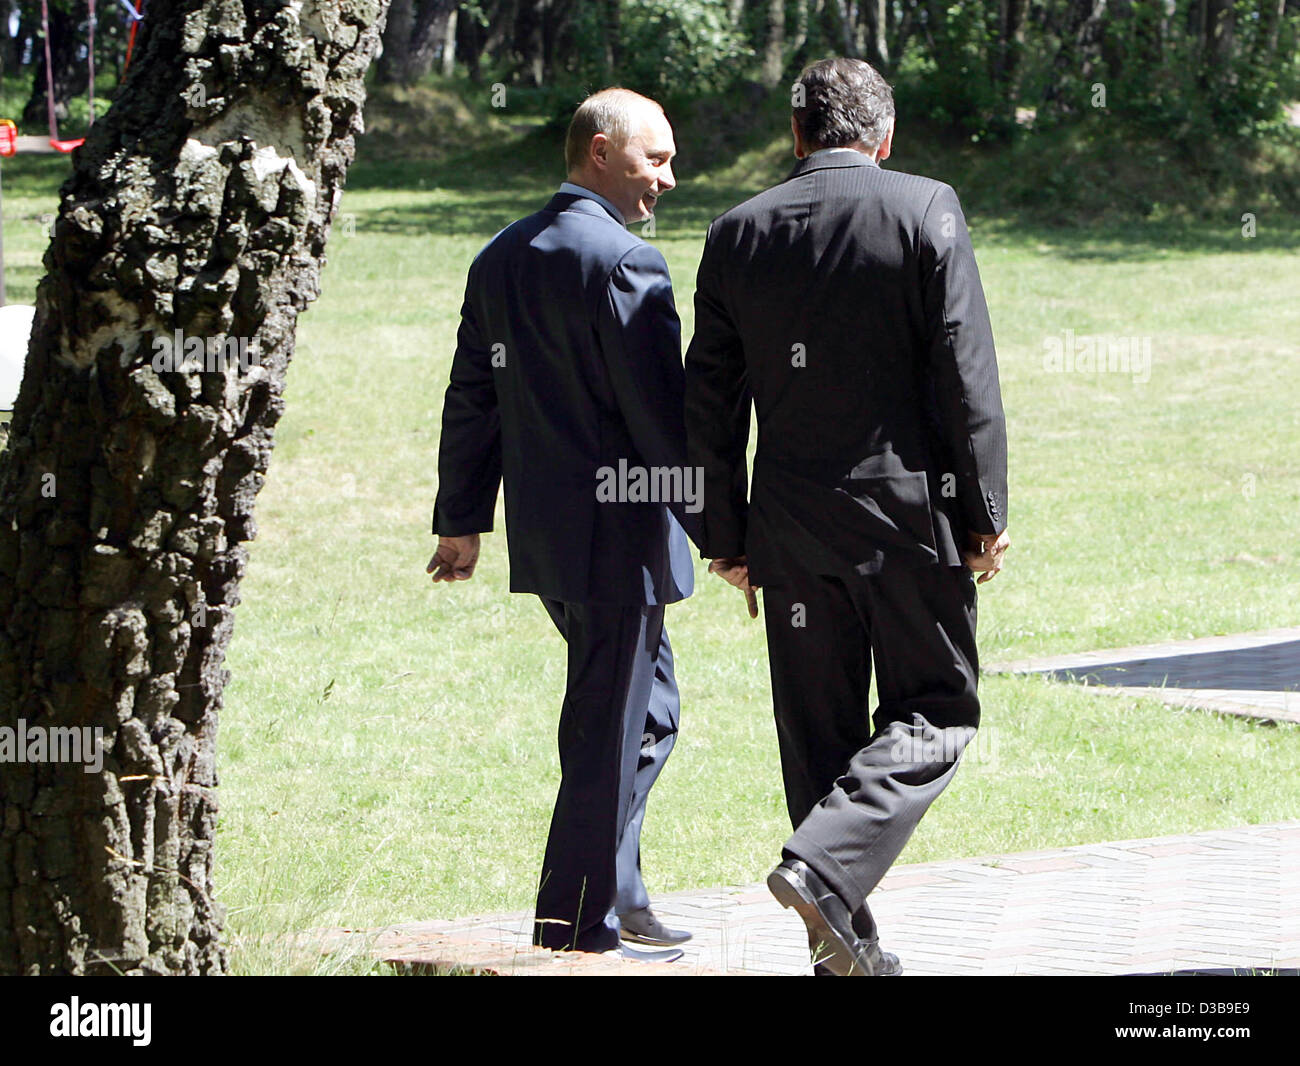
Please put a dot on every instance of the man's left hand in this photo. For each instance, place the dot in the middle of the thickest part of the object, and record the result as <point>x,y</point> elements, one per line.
<point>455,558</point>
<point>985,555</point>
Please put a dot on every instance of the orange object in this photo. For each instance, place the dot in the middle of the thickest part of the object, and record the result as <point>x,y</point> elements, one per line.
<point>8,137</point>
<point>66,146</point>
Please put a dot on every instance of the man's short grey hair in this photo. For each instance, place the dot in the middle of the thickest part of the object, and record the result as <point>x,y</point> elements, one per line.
<point>611,111</point>
<point>843,101</point>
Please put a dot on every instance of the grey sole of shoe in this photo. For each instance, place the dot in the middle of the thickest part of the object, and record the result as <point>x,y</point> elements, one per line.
<point>790,893</point>
<point>635,938</point>
<point>672,956</point>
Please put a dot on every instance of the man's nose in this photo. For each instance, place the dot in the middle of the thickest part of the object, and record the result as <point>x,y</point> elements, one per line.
<point>666,179</point>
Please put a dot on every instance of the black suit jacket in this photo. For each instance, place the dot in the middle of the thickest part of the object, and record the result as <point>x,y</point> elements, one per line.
<point>568,360</point>
<point>845,302</point>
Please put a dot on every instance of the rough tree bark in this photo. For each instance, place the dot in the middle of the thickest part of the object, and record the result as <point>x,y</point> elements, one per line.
<point>201,204</point>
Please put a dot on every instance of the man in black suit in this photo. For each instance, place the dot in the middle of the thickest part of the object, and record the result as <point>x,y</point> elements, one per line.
<point>845,303</point>
<point>567,385</point>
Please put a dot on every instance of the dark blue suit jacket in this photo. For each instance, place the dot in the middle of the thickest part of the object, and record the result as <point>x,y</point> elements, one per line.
<point>568,360</point>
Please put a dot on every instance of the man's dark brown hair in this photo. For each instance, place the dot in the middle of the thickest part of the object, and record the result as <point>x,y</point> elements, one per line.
<point>843,101</point>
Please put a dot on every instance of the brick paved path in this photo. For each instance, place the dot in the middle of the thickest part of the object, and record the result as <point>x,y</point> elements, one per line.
<point>1205,901</point>
<point>1220,900</point>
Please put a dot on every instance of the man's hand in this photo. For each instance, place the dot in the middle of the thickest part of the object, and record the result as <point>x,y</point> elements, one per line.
<point>455,558</point>
<point>736,572</point>
<point>985,555</point>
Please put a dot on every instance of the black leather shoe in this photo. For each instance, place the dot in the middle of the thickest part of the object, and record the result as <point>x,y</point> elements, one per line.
<point>642,927</point>
<point>890,966</point>
<point>627,951</point>
<point>831,939</point>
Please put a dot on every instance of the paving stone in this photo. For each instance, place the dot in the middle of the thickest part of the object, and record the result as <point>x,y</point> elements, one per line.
<point>1214,900</point>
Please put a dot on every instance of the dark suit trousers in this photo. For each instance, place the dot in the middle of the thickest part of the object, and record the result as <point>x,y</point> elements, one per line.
<point>617,727</point>
<point>856,786</point>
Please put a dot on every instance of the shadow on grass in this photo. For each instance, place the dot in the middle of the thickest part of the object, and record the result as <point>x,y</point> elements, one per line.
<point>1123,240</point>
<point>479,191</point>
<point>484,214</point>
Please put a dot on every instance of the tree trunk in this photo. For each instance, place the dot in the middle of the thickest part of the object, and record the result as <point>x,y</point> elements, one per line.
<point>430,36</point>
<point>1005,58</point>
<point>1221,28</point>
<point>611,31</point>
<point>412,38</point>
<point>391,67</point>
<point>198,209</point>
<point>800,36</point>
<point>500,30</point>
<point>877,44</point>
<point>774,44</point>
<point>901,33</point>
<point>527,47</point>
<point>449,43</point>
<point>1076,57</point>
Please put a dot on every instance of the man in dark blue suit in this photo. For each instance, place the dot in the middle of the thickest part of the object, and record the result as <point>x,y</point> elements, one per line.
<point>567,385</point>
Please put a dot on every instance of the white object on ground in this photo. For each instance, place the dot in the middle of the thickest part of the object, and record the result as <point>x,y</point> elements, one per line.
<point>15,331</point>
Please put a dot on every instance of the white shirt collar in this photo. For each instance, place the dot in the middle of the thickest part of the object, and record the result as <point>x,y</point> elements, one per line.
<point>827,151</point>
<point>578,190</point>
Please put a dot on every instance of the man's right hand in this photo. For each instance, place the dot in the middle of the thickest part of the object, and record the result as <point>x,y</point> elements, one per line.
<point>455,558</point>
<point>736,572</point>
<point>985,554</point>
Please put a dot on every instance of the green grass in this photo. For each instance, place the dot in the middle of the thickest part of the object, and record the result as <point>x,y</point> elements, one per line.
<point>387,749</point>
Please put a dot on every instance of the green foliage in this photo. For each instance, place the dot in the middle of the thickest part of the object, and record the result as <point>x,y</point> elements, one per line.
<point>681,49</point>
<point>1147,60</point>
<point>1164,75</point>
<point>949,81</point>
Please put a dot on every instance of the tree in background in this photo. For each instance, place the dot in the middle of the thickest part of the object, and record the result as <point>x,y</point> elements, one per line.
<point>419,33</point>
<point>197,210</point>
<point>974,64</point>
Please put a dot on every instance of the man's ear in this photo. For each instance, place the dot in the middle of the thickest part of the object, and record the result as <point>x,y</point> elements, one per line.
<point>598,152</point>
<point>887,145</point>
<point>799,152</point>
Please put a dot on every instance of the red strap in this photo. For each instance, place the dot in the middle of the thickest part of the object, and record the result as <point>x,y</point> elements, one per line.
<point>130,40</point>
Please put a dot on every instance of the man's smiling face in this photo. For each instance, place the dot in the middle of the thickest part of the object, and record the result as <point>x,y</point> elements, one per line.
<point>641,171</point>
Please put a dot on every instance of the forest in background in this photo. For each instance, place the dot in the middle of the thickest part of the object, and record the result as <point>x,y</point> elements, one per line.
<point>991,67</point>
<point>1070,107</point>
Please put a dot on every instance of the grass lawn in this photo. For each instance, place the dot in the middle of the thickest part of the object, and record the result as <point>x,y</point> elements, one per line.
<point>387,748</point>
